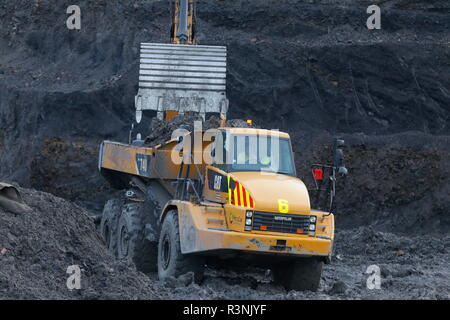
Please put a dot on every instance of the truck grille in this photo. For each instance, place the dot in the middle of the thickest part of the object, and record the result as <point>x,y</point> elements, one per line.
<point>284,223</point>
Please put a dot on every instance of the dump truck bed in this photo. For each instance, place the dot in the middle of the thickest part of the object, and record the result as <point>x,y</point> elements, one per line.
<point>121,161</point>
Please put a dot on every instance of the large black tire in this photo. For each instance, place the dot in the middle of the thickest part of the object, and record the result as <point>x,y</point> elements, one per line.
<point>136,237</point>
<point>109,222</point>
<point>302,274</point>
<point>171,262</point>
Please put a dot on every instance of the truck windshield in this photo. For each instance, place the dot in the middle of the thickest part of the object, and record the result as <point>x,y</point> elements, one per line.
<point>257,153</point>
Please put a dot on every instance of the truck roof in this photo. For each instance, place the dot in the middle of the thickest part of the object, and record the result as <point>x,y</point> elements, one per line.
<point>248,131</point>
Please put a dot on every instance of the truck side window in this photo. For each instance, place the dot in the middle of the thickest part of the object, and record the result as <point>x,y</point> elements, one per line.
<point>220,151</point>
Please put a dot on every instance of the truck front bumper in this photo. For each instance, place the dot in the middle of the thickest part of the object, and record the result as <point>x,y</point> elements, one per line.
<point>212,239</point>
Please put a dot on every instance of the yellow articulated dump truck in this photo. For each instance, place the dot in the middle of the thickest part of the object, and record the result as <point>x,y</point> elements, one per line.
<point>234,202</point>
<point>225,194</point>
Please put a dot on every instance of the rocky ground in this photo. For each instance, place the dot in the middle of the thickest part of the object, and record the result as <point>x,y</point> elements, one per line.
<point>307,67</point>
<point>37,247</point>
<point>411,268</point>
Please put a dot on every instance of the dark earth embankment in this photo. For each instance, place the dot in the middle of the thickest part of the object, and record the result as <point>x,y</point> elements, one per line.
<point>308,68</point>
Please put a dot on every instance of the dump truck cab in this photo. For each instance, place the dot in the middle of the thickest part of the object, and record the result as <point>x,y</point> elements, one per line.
<point>263,206</point>
<point>254,169</point>
<point>254,208</point>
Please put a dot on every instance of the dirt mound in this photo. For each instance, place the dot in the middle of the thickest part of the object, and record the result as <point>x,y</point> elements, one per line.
<point>37,247</point>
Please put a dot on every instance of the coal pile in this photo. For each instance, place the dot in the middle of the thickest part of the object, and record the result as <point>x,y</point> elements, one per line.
<point>38,246</point>
<point>162,130</point>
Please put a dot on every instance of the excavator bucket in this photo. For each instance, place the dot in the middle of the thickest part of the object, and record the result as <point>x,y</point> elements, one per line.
<point>182,79</point>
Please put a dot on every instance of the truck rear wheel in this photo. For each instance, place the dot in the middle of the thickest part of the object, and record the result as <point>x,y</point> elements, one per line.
<point>108,224</point>
<point>132,237</point>
<point>171,262</point>
<point>302,274</point>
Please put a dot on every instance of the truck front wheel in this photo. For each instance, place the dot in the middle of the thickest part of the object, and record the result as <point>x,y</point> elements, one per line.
<point>171,262</point>
<point>301,274</point>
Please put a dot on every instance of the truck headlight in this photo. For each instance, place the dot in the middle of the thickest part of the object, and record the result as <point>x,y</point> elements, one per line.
<point>312,227</point>
<point>313,219</point>
<point>248,222</point>
<point>249,214</point>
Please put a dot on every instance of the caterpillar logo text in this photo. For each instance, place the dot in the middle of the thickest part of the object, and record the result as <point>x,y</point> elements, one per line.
<point>283,218</point>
